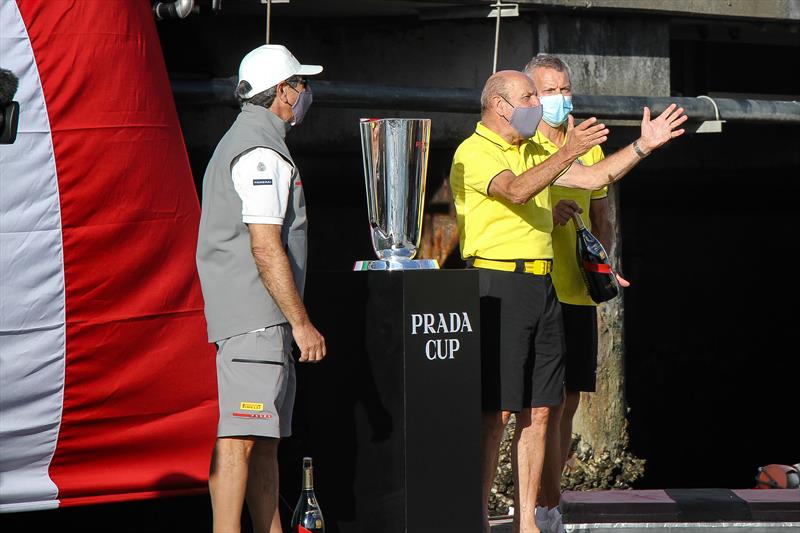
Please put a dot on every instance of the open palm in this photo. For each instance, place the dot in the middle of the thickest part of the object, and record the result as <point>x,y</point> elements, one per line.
<point>658,131</point>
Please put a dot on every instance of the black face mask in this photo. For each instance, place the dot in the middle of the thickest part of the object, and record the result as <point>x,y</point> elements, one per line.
<point>301,104</point>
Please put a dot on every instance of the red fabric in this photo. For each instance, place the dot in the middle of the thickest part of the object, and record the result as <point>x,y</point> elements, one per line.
<point>140,409</point>
<point>602,268</point>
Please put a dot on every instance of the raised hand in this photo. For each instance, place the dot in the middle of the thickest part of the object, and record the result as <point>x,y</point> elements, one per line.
<point>656,132</point>
<point>584,136</point>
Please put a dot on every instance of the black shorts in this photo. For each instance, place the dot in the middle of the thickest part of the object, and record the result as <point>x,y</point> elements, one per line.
<point>580,334</point>
<point>522,341</point>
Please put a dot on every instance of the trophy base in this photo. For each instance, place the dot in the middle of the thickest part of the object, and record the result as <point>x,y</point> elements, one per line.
<point>396,264</point>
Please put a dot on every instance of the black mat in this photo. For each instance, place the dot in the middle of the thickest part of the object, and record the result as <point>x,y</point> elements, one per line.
<point>681,505</point>
<point>709,505</point>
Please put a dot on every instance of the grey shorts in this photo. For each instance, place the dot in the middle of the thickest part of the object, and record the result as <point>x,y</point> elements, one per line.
<point>256,383</point>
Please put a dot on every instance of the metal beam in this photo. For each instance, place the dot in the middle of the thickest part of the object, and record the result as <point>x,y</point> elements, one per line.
<point>459,100</point>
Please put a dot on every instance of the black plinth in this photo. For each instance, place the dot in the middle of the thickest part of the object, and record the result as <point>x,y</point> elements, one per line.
<point>392,416</point>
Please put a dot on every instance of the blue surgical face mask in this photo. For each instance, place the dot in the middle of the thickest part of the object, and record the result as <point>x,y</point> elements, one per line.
<point>555,109</point>
<point>525,119</point>
<point>301,105</point>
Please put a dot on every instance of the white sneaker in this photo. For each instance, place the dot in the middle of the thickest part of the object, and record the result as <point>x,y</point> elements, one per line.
<point>542,518</point>
<point>554,520</point>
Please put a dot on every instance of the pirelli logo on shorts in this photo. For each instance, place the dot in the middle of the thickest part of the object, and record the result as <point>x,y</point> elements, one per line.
<point>252,410</point>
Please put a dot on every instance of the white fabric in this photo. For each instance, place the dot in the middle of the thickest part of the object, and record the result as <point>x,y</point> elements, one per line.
<point>270,64</point>
<point>32,324</point>
<point>262,179</point>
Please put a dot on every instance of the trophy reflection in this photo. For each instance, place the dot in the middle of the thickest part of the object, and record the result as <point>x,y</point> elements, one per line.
<point>395,152</point>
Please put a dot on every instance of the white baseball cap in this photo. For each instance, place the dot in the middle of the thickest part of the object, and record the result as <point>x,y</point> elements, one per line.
<point>270,64</point>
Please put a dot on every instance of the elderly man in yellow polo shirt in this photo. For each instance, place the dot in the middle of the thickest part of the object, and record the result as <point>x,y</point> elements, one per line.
<point>551,77</point>
<point>501,187</point>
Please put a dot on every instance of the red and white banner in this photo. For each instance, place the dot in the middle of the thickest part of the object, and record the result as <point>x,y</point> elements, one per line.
<point>107,383</point>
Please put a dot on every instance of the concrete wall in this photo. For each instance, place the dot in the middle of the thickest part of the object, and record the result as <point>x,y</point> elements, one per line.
<point>612,55</point>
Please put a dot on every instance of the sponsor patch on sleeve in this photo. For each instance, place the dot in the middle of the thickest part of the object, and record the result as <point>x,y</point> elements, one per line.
<point>251,406</point>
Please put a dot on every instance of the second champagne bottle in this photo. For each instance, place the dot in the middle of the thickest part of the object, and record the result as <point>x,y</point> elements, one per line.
<point>594,264</point>
<point>307,517</point>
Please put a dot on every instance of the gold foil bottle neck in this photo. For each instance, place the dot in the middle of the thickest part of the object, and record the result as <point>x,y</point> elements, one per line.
<point>308,474</point>
<point>576,217</point>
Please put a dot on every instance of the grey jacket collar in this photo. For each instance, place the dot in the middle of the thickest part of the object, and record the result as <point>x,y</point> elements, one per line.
<point>267,119</point>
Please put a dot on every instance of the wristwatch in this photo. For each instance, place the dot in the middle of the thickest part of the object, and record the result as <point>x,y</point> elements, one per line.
<point>641,153</point>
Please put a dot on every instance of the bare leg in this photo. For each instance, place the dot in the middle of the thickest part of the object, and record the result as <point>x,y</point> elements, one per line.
<point>276,522</point>
<point>262,486</point>
<point>551,471</point>
<point>527,460</point>
<point>227,481</point>
<point>492,432</point>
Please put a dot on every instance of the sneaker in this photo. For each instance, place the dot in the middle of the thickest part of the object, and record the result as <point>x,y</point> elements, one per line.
<point>542,517</point>
<point>554,521</point>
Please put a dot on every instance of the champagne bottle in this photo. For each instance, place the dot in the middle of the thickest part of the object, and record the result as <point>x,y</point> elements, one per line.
<point>594,264</point>
<point>307,516</point>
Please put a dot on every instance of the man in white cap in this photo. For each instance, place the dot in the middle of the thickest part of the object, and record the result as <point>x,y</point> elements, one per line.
<point>251,257</point>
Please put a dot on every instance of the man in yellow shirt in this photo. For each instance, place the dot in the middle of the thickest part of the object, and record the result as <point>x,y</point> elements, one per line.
<point>501,187</point>
<point>551,77</point>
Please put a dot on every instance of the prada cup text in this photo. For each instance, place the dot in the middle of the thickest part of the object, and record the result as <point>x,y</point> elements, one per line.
<point>439,323</point>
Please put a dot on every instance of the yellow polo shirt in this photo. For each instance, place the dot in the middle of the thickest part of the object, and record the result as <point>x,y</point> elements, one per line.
<point>490,227</point>
<point>567,279</point>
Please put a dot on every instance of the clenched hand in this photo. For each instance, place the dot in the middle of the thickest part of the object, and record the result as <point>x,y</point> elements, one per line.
<point>563,211</point>
<point>310,342</point>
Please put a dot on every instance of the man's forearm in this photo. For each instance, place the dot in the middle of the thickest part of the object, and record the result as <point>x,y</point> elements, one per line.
<point>604,233</point>
<point>276,274</point>
<point>603,173</point>
<point>600,217</point>
<point>536,179</point>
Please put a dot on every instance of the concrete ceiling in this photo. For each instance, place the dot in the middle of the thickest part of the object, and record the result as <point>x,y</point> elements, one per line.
<point>340,8</point>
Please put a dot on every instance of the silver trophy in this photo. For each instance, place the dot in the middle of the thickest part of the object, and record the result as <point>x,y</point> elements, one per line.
<point>395,152</point>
